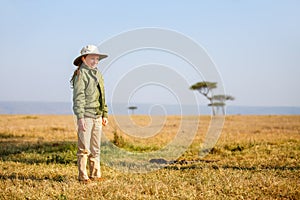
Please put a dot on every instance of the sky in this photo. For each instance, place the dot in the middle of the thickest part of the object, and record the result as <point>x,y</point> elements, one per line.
<point>254,44</point>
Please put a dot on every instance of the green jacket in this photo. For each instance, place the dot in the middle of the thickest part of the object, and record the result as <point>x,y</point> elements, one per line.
<point>88,94</point>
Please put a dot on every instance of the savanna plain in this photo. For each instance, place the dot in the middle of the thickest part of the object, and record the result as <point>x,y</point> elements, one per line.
<point>255,157</point>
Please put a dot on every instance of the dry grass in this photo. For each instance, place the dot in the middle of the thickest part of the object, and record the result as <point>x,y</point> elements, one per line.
<point>256,157</point>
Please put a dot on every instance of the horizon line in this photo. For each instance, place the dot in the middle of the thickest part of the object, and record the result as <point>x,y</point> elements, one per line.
<point>70,102</point>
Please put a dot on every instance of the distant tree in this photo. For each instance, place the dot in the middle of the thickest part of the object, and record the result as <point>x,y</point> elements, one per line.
<point>132,108</point>
<point>216,101</point>
<point>205,88</point>
<point>219,101</point>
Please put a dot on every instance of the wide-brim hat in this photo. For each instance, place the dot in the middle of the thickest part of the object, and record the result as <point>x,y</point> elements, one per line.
<point>89,49</point>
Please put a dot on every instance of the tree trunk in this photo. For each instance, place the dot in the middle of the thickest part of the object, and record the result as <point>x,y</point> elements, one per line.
<point>212,106</point>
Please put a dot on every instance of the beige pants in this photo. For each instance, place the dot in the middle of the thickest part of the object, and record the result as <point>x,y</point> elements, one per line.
<point>89,149</point>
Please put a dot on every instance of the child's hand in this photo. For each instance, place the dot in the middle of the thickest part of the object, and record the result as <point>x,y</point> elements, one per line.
<point>104,121</point>
<point>81,124</point>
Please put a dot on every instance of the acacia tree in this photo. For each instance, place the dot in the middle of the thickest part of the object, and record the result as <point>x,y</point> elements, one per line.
<point>132,108</point>
<point>216,101</point>
<point>219,101</point>
<point>205,88</point>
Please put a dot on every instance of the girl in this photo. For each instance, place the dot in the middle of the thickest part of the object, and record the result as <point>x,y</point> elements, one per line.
<point>91,111</point>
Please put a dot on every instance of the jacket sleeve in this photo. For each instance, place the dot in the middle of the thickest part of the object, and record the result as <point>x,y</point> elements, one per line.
<point>105,111</point>
<point>79,96</point>
<point>103,104</point>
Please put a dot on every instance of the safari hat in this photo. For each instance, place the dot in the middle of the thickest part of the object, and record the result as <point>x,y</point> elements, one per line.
<point>89,49</point>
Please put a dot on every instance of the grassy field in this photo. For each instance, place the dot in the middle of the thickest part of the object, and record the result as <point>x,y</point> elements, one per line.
<point>256,157</point>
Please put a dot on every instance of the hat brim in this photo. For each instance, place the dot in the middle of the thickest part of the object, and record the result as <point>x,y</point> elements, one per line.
<point>78,61</point>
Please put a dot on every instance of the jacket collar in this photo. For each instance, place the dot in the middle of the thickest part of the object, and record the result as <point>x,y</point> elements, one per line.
<point>88,68</point>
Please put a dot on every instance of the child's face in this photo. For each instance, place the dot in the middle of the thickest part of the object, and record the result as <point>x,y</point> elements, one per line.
<point>91,60</point>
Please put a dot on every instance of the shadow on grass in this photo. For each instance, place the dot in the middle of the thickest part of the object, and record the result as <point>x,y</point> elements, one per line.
<point>201,164</point>
<point>65,153</point>
<point>14,176</point>
<point>282,168</point>
<point>238,168</point>
<point>40,152</point>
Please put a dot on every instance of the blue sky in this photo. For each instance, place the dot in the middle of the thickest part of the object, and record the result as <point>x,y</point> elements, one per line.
<point>254,44</point>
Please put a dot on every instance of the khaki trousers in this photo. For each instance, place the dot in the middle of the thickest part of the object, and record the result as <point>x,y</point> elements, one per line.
<point>89,149</point>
